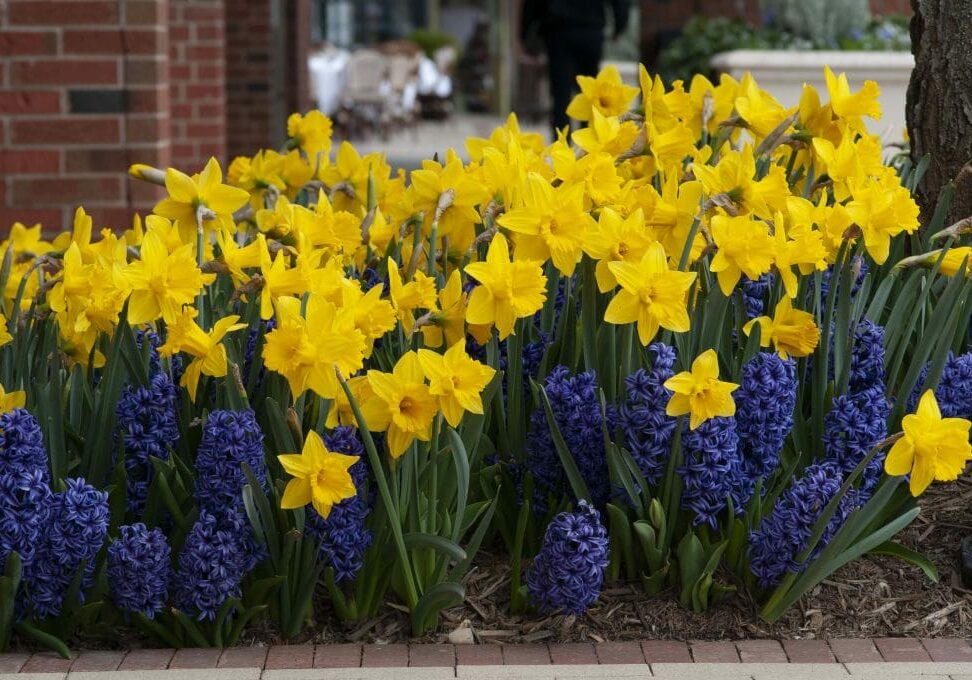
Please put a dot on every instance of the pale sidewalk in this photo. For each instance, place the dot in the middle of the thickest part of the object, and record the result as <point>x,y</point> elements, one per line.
<point>696,671</point>
<point>837,659</point>
<point>408,147</point>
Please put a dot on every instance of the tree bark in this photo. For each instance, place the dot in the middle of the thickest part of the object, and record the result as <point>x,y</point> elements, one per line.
<point>940,100</point>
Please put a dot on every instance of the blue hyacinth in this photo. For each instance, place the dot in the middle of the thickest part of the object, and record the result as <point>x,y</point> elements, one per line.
<point>855,424</point>
<point>711,469</point>
<point>343,536</point>
<point>954,390</point>
<point>211,566</point>
<point>765,402</point>
<point>75,529</point>
<point>867,356</point>
<point>647,429</point>
<point>857,421</point>
<point>22,444</point>
<point>568,573</point>
<point>576,409</point>
<point>138,569</point>
<point>754,294</point>
<point>230,440</point>
<point>146,426</point>
<point>782,536</point>
<point>25,501</point>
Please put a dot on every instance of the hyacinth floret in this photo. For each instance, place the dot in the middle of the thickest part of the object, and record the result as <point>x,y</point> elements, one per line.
<point>647,429</point>
<point>568,573</point>
<point>25,500</point>
<point>230,440</point>
<point>22,444</point>
<point>754,294</point>
<point>867,356</point>
<point>711,469</point>
<point>764,414</point>
<point>782,536</point>
<point>75,530</point>
<point>211,566</point>
<point>576,408</point>
<point>855,424</point>
<point>343,536</point>
<point>954,390</point>
<point>138,569</point>
<point>146,427</point>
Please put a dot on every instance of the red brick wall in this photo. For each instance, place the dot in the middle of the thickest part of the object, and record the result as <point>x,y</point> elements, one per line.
<point>197,71</point>
<point>264,84</point>
<point>248,76</point>
<point>83,94</point>
<point>88,87</point>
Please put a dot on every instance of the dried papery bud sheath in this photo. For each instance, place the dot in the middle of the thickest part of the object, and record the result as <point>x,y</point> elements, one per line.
<point>446,199</point>
<point>963,226</point>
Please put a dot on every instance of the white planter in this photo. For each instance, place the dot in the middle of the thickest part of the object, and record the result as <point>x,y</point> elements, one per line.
<point>782,73</point>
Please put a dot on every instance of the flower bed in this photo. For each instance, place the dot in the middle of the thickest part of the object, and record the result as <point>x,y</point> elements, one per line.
<point>706,352</point>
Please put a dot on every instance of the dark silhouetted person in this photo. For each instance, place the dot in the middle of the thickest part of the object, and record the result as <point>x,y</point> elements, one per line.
<point>572,31</point>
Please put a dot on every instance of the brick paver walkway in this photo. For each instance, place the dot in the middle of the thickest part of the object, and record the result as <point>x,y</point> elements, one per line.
<point>878,659</point>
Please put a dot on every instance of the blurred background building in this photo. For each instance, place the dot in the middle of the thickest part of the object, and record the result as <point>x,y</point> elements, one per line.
<point>88,87</point>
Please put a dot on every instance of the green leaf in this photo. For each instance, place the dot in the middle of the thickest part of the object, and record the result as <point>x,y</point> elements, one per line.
<point>910,556</point>
<point>51,642</point>
<point>577,484</point>
<point>434,600</point>
<point>440,544</point>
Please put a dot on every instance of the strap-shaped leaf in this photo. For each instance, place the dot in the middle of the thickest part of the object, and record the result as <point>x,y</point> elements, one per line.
<point>440,544</point>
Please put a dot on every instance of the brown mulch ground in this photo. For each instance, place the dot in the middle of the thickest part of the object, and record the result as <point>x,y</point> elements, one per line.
<point>872,597</point>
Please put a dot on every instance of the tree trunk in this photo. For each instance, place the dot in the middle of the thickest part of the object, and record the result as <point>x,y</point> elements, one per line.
<point>940,100</point>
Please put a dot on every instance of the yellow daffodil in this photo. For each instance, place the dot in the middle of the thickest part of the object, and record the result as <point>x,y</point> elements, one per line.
<point>279,280</point>
<point>447,324</point>
<point>607,93</point>
<point>552,223</point>
<point>373,409</point>
<point>457,380</point>
<point>761,111</point>
<point>206,348</point>
<point>373,316</point>
<point>162,282</point>
<point>957,260</point>
<point>447,191</point>
<point>188,194</point>
<point>850,105</point>
<point>607,134</point>
<point>734,176</point>
<point>745,247</point>
<point>410,404</point>
<point>311,132</point>
<point>882,209</point>
<point>932,448</point>
<point>652,294</point>
<point>11,400</point>
<point>306,350</point>
<point>700,393</point>
<point>616,240</point>
<point>594,174</point>
<point>792,332</point>
<point>507,290</point>
<point>320,477</point>
<point>419,293</point>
